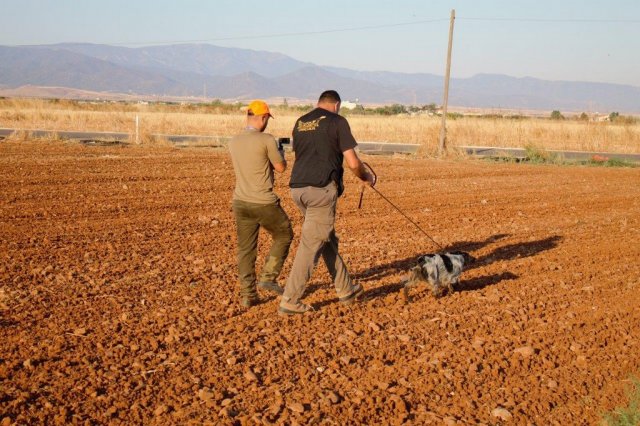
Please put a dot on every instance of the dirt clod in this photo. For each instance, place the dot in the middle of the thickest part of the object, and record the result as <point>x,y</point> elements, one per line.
<point>296,407</point>
<point>501,413</point>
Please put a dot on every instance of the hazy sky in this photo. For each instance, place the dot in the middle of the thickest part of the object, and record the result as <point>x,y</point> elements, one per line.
<point>583,40</point>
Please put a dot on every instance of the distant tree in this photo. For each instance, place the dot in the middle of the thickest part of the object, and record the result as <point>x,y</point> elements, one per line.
<point>432,108</point>
<point>394,109</point>
<point>614,116</point>
<point>556,115</point>
<point>584,117</point>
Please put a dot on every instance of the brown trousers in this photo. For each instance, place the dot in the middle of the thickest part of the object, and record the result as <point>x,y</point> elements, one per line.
<point>250,217</point>
<point>318,238</point>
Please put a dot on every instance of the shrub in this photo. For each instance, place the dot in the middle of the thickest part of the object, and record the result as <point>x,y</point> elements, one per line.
<point>537,155</point>
<point>630,415</point>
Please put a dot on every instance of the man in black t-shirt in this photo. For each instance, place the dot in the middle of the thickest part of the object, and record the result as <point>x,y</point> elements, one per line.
<point>321,140</point>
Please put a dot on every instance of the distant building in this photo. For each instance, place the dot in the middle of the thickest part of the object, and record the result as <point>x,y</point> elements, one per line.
<point>349,104</point>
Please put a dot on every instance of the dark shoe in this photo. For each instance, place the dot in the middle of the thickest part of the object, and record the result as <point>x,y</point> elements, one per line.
<point>287,308</point>
<point>271,286</point>
<point>357,292</point>
<point>248,302</point>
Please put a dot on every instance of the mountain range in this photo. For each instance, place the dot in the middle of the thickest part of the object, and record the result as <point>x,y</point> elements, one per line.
<point>208,71</point>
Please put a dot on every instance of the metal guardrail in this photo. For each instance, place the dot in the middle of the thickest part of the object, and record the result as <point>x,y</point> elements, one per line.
<point>380,148</point>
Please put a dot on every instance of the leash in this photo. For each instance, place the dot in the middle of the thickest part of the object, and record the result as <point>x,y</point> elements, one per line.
<point>375,179</point>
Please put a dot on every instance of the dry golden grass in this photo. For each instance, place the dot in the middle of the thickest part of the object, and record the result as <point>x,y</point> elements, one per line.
<point>227,120</point>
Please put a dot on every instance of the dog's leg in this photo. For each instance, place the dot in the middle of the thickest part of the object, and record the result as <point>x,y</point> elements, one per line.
<point>414,278</point>
<point>408,284</point>
<point>454,284</point>
<point>437,290</point>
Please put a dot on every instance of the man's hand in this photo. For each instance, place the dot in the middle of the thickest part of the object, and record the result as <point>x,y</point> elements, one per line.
<point>368,179</point>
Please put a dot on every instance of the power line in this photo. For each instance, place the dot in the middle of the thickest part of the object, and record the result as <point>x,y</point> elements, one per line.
<point>303,33</point>
<point>597,21</point>
<point>374,27</point>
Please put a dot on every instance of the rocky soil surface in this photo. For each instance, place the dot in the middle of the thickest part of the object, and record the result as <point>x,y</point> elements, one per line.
<point>118,296</point>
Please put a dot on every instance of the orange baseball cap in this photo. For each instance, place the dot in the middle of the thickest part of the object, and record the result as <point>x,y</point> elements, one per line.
<point>259,107</point>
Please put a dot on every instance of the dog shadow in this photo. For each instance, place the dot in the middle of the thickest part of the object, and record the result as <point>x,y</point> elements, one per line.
<point>381,271</point>
<point>482,282</point>
<point>508,252</point>
<point>470,246</point>
<point>517,250</point>
<point>403,265</point>
<point>7,323</point>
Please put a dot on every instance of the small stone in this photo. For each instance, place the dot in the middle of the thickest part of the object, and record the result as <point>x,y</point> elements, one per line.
<point>251,376</point>
<point>232,360</point>
<point>80,331</point>
<point>403,338</point>
<point>477,344</point>
<point>346,360</point>
<point>525,351</point>
<point>333,397</point>
<point>501,413</point>
<point>296,407</point>
<point>552,384</point>
<point>205,394</point>
<point>160,410</point>
<point>27,363</point>
<point>374,326</point>
<point>581,361</point>
<point>450,421</point>
<point>383,385</point>
<point>6,421</point>
<point>226,401</point>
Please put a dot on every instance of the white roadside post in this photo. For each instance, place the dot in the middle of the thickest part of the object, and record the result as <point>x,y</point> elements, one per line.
<point>137,126</point>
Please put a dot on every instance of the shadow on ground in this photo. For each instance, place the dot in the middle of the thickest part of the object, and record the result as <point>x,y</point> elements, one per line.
<point>508,252</point>
<point>517,250</point>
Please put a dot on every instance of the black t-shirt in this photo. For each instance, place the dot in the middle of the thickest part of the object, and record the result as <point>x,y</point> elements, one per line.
<point>319,139</point>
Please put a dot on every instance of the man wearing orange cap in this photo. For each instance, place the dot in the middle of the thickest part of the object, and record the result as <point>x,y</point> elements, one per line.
<point>255,155</point>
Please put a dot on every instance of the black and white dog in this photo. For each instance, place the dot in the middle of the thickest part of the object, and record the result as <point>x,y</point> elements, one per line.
<point>441,271</point>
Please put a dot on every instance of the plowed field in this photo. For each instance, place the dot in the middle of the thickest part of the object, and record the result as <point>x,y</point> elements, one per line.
<point>118,297</point>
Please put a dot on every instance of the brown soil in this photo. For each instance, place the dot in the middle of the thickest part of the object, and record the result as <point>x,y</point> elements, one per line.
<point>118,296</point>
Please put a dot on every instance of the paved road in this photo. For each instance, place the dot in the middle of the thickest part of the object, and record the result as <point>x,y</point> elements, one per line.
<point>365,147</point>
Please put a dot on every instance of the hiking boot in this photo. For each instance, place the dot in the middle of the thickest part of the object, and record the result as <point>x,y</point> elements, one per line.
<point>271,286</point>
<point>248,302</point>
<point>288,308</point>
<point>358,291</point>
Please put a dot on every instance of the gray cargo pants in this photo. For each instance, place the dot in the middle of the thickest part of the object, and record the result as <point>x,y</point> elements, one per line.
<point>318,238</point>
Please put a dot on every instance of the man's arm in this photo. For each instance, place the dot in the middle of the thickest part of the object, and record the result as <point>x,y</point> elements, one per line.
<point>280,167</point>
<point>276,157</point>
<point>357,167</point>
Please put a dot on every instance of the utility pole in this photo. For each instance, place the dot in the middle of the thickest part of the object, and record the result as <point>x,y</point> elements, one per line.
<point>443,128</point>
